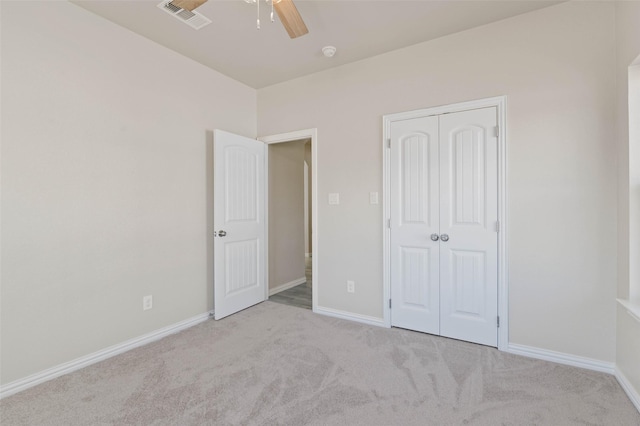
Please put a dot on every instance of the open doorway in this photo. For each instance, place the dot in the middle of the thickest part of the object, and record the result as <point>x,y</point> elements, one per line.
<point>291,223</point>
<point>289,271</point>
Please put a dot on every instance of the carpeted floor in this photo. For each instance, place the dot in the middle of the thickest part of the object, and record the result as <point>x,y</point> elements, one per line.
<point>276,364</point>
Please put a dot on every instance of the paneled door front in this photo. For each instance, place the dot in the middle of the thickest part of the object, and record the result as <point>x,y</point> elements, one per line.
<point>443,225</point>
<point>468,219</point>
<point>239,222</point>
<point>415,216</point>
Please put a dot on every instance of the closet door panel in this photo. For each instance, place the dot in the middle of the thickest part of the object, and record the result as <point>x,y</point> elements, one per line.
<point>468,217</point>
<point>414,218</point>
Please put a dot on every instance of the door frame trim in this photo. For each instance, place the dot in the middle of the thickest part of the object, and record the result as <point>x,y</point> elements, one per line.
<point>500,102</point>
<point>290,137</point>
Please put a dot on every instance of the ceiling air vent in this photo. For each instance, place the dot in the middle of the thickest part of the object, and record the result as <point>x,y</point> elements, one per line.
<point>193,19</point>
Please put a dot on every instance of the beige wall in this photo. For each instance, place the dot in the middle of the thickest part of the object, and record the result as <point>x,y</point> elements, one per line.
<point>628,330</point>
<point>555,66</point>
<point>286,213</point>
<point>104,183</point>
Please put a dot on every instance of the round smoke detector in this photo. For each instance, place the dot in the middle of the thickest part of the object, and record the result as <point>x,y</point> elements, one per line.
<point>328,51</point>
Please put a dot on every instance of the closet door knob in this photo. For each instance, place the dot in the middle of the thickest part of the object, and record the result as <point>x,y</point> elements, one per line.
<point>434,237</point>
<point>444,237</point>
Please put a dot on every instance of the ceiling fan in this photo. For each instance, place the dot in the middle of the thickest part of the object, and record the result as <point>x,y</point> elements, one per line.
<point>286,9</point>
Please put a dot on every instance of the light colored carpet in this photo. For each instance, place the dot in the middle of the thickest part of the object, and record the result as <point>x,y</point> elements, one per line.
<point>277,364</point>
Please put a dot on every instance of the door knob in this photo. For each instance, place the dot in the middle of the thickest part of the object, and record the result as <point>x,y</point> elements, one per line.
<point>221,233</point>
<point>434,237</point>
<point>444,237</point>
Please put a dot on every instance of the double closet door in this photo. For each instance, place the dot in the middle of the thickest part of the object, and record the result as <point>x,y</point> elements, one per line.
<point>444,213</point>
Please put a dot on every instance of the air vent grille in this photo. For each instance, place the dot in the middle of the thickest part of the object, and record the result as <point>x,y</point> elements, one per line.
<point>185,14</point>
<point>194,19</point>
<point>172,7</point>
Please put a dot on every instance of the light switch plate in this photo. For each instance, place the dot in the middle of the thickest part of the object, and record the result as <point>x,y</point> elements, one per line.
<point>351,286</point>
<point>147,302</point>
<point>334,198</point>
<point>373,198</point>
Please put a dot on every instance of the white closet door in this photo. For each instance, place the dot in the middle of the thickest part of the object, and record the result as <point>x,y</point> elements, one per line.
<point>239,220</point>
<point>414,217</point>
<point>468,217</point>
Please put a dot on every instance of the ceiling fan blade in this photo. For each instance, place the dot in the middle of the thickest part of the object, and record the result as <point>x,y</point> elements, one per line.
<point>188,4</point>
<point>290,18</point>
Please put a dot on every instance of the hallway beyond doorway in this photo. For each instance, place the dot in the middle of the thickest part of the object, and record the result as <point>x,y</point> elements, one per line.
<point>300,295</point>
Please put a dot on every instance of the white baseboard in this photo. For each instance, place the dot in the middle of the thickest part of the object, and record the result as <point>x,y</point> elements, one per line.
<point>632,393</point>
<point>287,286</point>
<point>561,358</point>
<point>350,316</point>
<point>84,361</point>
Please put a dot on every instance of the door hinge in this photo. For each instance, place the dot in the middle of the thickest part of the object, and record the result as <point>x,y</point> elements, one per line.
<point>389,143</point>
<point>497,226</point>
<point>497,131</point>
<point>389,303</point>
<point>389,223</point>
<point>498,321</point>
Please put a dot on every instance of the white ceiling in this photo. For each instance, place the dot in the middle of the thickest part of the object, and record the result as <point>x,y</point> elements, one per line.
<point>358,28</point>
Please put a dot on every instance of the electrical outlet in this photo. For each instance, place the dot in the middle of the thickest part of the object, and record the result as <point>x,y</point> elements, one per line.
<point>147,302</point>
<point>351,287</point>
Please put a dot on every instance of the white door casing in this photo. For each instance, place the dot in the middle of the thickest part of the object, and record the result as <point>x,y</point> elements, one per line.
<point>311,134</point>
<point>239,223</point>
<point>443,186</point>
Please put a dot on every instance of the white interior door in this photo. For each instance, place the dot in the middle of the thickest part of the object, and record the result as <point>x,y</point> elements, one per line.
<point>239,222</point>
<point>414,217</point>
<point>468,218</point>
<point>443,245</point>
